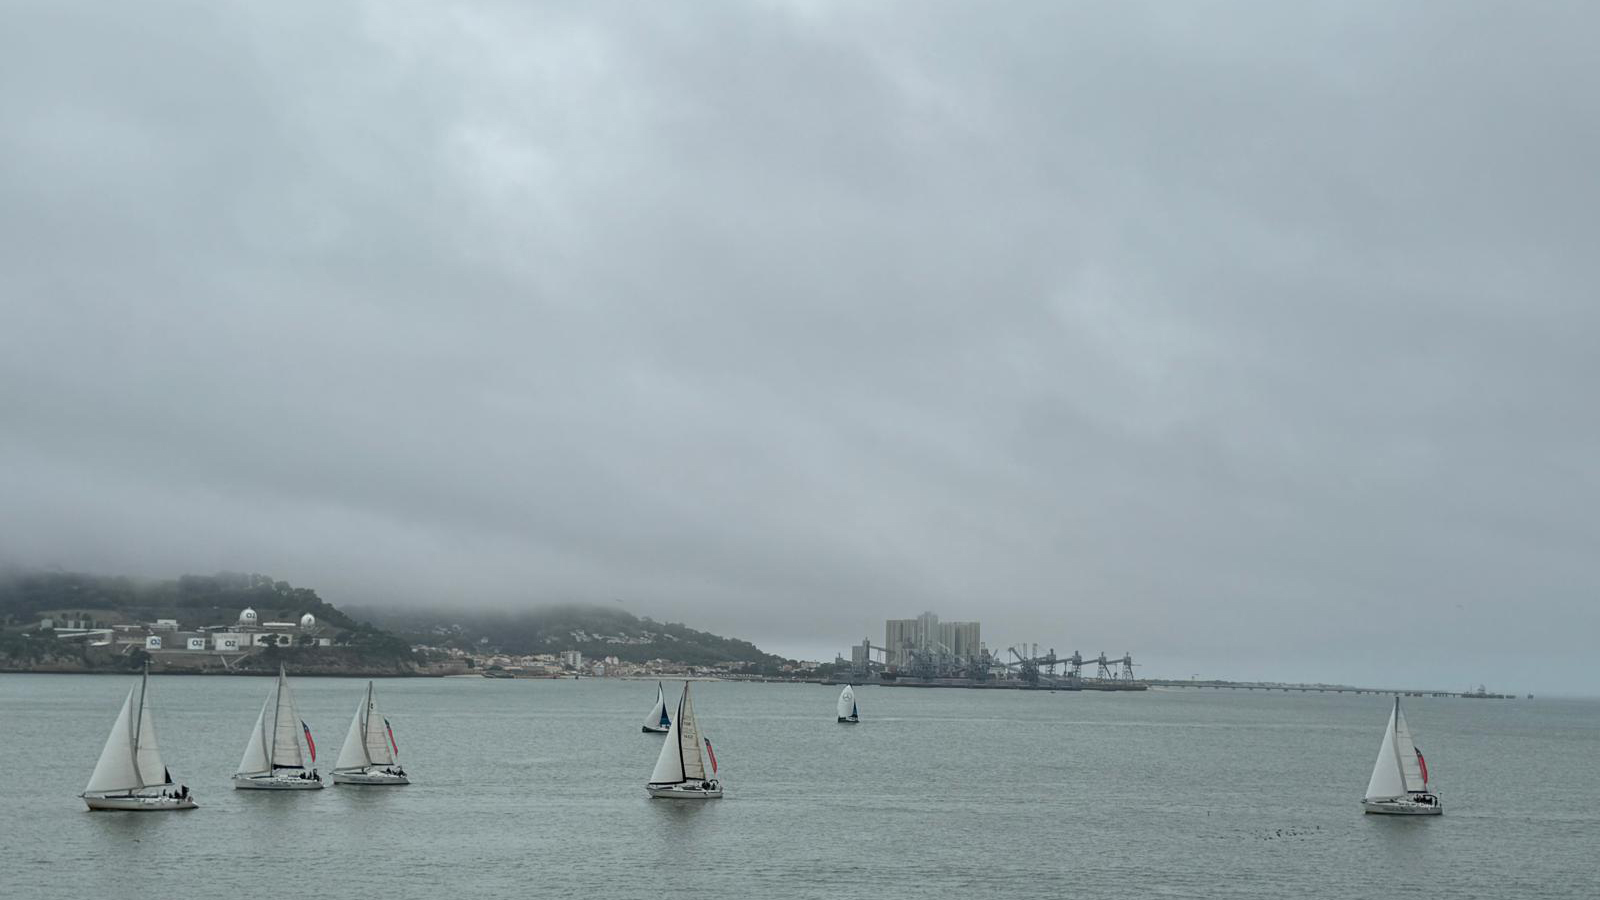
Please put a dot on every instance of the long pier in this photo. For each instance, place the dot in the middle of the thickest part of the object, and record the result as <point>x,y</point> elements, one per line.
<point>1320,689</point>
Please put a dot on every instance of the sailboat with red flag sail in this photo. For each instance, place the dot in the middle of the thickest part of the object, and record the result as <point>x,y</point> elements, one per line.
<point>1399,785</point>
<point>273,760</point>
<point>369,752</point>
<point>680,772</point>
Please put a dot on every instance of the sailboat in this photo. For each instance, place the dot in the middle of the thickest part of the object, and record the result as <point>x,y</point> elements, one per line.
<point>847,706</point>
<point>130,774</point>
<point>680,772</point>
<point>272,758</point>
<point>369,751</point>
<point>1399,783</point>
<point>658,722</point>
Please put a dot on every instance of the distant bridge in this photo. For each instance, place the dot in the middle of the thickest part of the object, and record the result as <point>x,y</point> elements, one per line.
<point>1479,694</point>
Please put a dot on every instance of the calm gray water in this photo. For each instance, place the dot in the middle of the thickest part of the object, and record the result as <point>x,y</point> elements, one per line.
<point>536,788</point>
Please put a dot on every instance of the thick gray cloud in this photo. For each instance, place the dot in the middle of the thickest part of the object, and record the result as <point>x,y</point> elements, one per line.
<point>1256,339</point>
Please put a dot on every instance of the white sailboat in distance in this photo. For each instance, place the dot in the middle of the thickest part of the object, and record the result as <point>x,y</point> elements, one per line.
<point>1399,784</point>
<point>130,774</point>
<point>658,722</point>
<point>272,757</point>
<point>847,706</point>
<point>369,751</point>
<point>680,772</point>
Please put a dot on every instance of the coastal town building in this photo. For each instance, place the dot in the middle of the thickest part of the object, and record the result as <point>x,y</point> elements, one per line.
<point>925,635</point>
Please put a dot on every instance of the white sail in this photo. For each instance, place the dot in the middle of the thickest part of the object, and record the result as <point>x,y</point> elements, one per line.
<point>352,754</point>
<point>694,765</point>
<point>255,750</point>
<point>379,751</point>
<point>116,771</point>
<point>847,702</point>
<point>286,729</point>
<point>1406,748</point>
<point>147,756</point>
<point>669,765</point>
<point>1387,781</point>
<point>658,713</point>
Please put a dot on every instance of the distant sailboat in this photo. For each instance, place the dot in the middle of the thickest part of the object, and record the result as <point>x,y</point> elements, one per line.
<point>847,706</point>
<point>130,774</point>
<point>1399,783</point>
<point>369,751</point>
<point>272,758</point>
<point>680,771</point>
<point>658,722</point>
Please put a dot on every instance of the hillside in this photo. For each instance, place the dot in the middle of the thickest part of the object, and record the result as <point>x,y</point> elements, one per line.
<point>197,601</point>
<point>596,631</point>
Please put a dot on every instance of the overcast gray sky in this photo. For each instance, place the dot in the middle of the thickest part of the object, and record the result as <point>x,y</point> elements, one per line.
<point>1257,339</point>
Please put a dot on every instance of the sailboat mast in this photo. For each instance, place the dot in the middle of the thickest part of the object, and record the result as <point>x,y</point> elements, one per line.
<point>366,722</point>
<point>683,770</point>
<point>138,723</point>
<point>277,706</point>
<point>1394,729</point>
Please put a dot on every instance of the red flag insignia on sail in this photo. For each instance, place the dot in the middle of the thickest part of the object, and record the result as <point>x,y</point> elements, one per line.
<point>1423,765</point>
<point>712,754</point>
<point>390,728</point>
<point>309,742</point>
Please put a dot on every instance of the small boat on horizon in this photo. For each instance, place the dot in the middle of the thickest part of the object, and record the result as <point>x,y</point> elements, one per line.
<point>848,712</point>
<point>369,754</point>
<point>658,722</point>
<point>272,759</point>
<point>130,774</point>
<point>1399,783</point>
<point>680,772</point>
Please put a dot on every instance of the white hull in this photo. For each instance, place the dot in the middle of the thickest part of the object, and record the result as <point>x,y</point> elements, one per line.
<point>141,804</point>
<point>647,729</point>
<point>685,791</point>
<point>1402,807</point>
<point>276,783</point>
<point>370,777</point>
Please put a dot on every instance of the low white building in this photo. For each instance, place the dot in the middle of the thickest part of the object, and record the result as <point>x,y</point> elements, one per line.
<point>226,642</point>
<point>152,642</point>
<point>165,625</point>
<point>197,643</point>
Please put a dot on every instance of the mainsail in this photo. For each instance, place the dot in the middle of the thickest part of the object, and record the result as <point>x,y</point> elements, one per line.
<point>1405,748</point>
<point>379,742</point>
<point>694,764</point>
<point>285,729</point>
<point>847,703</point>
<point>147,755</point>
